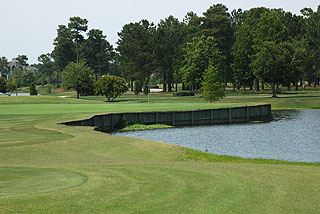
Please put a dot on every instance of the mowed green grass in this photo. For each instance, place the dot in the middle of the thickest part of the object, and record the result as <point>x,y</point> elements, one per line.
<point>50,168</point>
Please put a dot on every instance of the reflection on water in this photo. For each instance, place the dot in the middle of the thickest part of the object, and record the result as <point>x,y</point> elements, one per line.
<point>291,136</point>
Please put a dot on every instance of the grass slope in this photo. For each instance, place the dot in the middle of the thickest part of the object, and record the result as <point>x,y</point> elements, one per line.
<point>126,175</point>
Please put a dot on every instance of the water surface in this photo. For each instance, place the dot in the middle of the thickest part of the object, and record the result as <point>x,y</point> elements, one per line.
<point>291,136</point>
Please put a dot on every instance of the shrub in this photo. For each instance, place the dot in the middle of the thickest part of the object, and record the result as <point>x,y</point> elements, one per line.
<point>32,89</point>
<point>3,85</point>
<point>183,93</point>
<point>111,87</point>
<point>212,88</point>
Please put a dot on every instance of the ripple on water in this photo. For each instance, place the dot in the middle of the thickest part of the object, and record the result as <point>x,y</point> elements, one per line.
<point>291,136</point>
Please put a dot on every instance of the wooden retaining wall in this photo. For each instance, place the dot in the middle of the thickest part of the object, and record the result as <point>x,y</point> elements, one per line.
<point>107,122</point>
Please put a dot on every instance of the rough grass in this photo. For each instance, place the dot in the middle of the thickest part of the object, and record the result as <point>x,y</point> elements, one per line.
<point>138,127</point>
<point>126,175</point>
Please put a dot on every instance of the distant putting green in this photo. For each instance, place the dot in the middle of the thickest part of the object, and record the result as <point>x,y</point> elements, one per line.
<point>17,181</point>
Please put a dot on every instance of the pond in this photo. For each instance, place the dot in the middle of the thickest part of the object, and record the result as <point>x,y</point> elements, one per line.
<point>291,136</point>
<point>14,94</point>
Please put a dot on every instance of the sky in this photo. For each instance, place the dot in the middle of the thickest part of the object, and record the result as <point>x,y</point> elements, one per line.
<point>29,26</point>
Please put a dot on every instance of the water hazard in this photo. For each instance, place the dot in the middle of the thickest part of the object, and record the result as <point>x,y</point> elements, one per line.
<point>291,136</point>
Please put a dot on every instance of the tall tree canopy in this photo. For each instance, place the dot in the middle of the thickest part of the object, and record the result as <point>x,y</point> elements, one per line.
<point>167,40</point>
<point>313,37</point>
<point>97,52</point>
<point>216,22</point>
<point>135,50</point>
<point>198,55</point>
<point>46,66</point>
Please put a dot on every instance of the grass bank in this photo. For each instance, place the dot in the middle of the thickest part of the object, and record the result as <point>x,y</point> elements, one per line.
<point>50,168</point>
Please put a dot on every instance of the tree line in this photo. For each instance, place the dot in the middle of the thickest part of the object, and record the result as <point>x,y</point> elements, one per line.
<point>247,49</point>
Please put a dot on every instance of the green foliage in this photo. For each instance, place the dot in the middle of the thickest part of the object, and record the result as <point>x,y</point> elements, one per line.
<point>146,88</point>
<point>136,50</point>
<point>97,52</point>
<point>183,93</point>
<point>273,62</point>
<point>242,52</point>
<point>32,89</point>
<point>137,87</point>
<point>270,28</point>
<point>168,38</point>
<point>64,48</point>
<point>212,87</point>
<point>198,55</point>
<point>3,86</point>
<point>111,87</point>
<point>27,78</point>
<point>46,67</point>
<point>11,86</point>
<point>3,64</point>
<point>216,23</point>
<point>136,127</point>
<point>22,59</point>
<point>49,89</point>
<point>78,76</point>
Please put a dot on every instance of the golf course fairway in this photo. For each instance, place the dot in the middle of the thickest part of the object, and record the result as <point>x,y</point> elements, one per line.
<point>50,168</point>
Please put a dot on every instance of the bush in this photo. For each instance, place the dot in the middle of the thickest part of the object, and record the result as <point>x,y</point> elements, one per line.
<point>32,89</point>
<point>49,89</point>
<point>3,85</point>
<point>212,88</point>
<point>183,93</point>
<point>111,87</point>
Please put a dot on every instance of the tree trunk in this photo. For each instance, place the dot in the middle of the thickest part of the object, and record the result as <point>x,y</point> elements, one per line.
<point>288,88</point>
<point>164,82</point>
<point>303,83</point>
<point>78,95</point>
<point>274,93</point>
<point>169,86</point>
<point>251,85</point>
<point>183,86</point>
<point>277,88</point>
<point>176,89</point>
<point>256,85</point>
<point>297,87</point>
<point>131,84</point>
<point>244,90</point>
<point>234,87</point>
<point>262,86</point>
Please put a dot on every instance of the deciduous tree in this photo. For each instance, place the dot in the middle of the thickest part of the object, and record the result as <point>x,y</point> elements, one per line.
<point>79,77</point>
<point>111,87</point>
<point>212,87</point>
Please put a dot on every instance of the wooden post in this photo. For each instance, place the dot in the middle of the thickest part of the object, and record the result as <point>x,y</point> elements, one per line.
<point>157,117</point>
<point>212,116</point>
<point>173,118</point>
<point>111,122</point>
<point>192,117</point>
